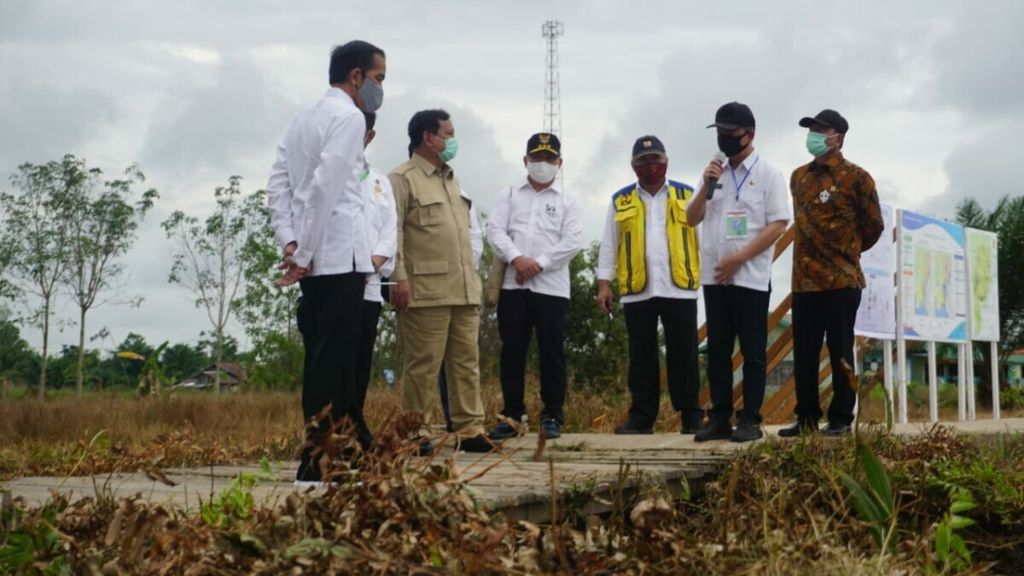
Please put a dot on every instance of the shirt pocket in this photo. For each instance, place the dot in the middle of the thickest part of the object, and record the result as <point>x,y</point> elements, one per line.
<point>678,208</point>
<point>551,220</point>
<point>752,198</point>
<point>626,215</point>
<point>430,210</point>
<point>429,279</point>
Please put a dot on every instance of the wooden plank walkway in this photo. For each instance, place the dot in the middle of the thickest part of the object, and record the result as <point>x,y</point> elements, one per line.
<point>511,482</point>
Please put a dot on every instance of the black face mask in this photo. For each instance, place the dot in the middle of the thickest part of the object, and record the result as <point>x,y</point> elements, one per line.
<point>730,145</point>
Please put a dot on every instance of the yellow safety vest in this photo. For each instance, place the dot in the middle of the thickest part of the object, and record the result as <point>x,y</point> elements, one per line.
<point>683,253</point>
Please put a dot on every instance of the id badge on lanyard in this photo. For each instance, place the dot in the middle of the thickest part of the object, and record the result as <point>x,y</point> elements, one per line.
<point>736,225</point>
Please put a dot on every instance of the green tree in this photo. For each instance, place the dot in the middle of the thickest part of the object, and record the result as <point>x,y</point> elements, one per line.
<point>8,290</point>
<point>268,313</point>
<point>1007,221</point>
<point>17,359</point>
<point>596,344</point>
<point>104,220</point>
<point>181,361</point>
<point>37,220</point>
<point>208,256</point>
<point>62,370</point>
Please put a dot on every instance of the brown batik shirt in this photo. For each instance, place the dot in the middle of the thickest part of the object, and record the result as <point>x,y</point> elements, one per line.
<point>837,216</point>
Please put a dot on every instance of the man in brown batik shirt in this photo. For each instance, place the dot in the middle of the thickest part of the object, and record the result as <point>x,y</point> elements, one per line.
<point>837,216</point>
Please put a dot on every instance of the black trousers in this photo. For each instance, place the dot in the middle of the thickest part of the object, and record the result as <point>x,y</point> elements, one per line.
<point>364,362</point>
<point>830,314</point>
<point>679,319</point>
<point>735,311</point>
<point>520,314</point>
<point>329,318</point>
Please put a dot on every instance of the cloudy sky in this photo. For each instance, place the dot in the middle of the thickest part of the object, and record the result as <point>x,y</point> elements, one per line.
<point>195,91</point>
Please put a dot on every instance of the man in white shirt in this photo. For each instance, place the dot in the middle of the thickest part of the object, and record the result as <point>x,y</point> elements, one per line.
<point>317,213</point>
<point>536,228</point>
<point>651,250</point>
<point>382,229</point>
<point>747,212</point>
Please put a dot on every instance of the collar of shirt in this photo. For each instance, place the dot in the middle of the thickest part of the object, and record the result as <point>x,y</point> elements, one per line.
<point>645,194</point>
<point>747,163</point>
<point>335,92</point>
<point>828,165</point>
<point>428,167</point>
<point>553,186</point>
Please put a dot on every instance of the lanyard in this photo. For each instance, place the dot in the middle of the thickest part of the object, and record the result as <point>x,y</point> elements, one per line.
<point>366,172</point>
<point>745,176</point>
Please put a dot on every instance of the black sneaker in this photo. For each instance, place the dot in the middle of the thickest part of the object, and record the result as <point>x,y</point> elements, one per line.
<point>747,432</point>
<point>502,431</point>
<point>478,443</point>
<point>714,430</point>
<point>833,430</point>
<point>550,428</point>
<point>631,428</point>
<point>801,427</point>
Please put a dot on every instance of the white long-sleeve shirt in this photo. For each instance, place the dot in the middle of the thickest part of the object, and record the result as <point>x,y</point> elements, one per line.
<point>542,225</point>
<point>659,271</point>
<point>382,228</point>
<point>476,236</point>
<point>313,193</point>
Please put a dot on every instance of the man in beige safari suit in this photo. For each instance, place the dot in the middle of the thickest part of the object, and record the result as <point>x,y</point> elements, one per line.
<point>437,291</point>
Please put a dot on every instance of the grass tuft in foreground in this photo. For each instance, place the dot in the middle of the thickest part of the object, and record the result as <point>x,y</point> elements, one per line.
<point>781,508</point>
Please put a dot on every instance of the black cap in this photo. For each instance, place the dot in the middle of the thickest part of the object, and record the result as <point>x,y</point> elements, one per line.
<point>544,142</point>
<point>648,145</point>
<point>827,118</point>
<point>732,116</point>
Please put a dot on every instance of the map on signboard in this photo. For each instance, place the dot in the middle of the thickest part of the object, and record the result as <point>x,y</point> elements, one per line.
<point>933,279</point>
<point>876,316</point>
<point>983,288</point>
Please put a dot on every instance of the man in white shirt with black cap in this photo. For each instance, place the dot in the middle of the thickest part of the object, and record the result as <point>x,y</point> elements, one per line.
<point>742,219</point>
<point>536,228</point>
<point>316,210</point>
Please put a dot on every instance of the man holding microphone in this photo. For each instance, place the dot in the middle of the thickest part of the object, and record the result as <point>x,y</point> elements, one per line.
<point>742,219</point>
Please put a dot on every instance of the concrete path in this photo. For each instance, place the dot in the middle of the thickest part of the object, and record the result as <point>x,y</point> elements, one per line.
<point>512,481</point>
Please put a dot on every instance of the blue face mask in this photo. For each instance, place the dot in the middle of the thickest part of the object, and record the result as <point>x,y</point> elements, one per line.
<point>372,95</point>
<point>451,146</point>
<point>816,144</point>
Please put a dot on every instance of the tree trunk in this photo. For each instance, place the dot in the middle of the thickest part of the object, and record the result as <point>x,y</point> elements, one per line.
<point>216,363</point>
<point>46,344</point>
<point>79,376</point>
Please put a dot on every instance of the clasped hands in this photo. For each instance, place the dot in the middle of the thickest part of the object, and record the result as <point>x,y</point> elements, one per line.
<point>525,268</point>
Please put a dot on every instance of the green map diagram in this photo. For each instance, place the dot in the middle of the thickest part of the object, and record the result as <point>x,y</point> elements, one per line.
<point>933,282</point>
<point>981,276</point>
<point>983,286</point>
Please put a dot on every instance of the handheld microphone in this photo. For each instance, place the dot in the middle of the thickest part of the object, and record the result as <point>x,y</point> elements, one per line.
<point>720,157</point>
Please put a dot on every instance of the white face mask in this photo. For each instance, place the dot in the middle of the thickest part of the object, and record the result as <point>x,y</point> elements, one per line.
<point>541,172</point>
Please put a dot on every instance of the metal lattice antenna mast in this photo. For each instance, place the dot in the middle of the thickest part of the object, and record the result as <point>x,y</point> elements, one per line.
<point>551,30</point>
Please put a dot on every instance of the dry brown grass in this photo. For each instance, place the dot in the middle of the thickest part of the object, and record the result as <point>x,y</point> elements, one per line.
<point>106,432</point>
<point>109,432</point>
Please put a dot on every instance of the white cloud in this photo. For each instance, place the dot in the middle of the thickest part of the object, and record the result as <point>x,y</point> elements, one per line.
<point>192,53</point>
<point>197,91</point>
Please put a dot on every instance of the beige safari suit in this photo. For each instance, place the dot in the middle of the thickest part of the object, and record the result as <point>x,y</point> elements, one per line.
<point>443,319</point>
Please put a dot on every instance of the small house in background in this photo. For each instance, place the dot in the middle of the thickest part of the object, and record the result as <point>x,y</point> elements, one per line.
<point>1014,365</point>
<point>232,376</point>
